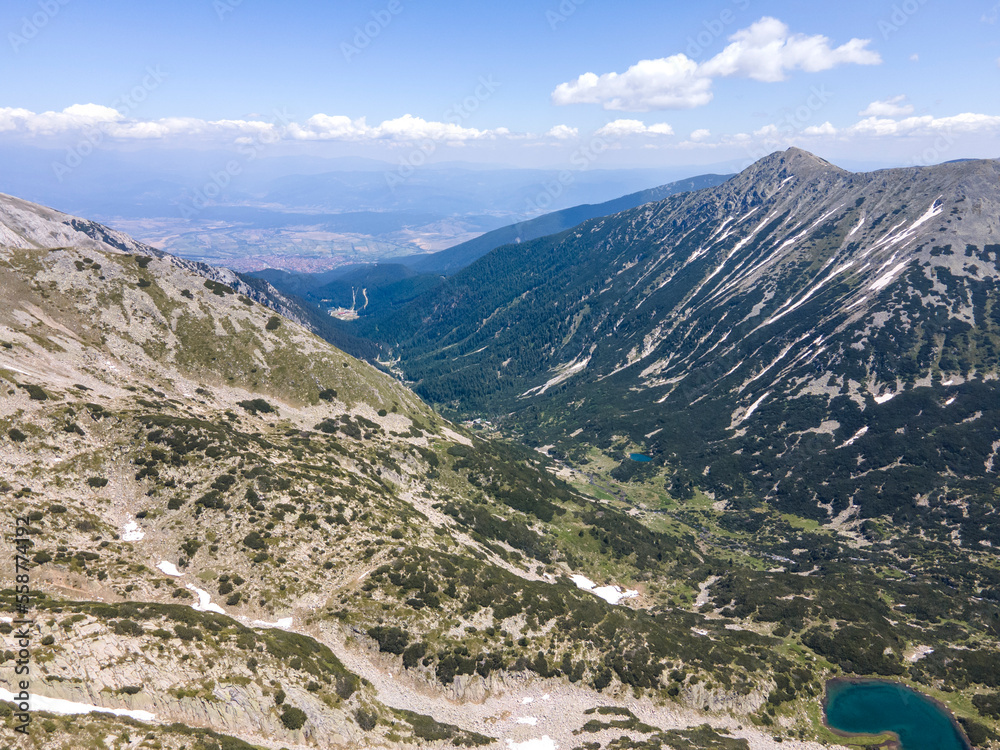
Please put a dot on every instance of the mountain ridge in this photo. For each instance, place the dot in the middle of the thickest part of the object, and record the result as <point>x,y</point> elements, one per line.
<point>794,282</point>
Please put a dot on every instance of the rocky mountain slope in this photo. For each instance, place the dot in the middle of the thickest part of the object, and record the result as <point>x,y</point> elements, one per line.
<point>825,341</point>
<point>241,536</point>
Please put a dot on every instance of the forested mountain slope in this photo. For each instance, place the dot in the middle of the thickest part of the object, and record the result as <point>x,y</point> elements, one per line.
<point>822,340</point>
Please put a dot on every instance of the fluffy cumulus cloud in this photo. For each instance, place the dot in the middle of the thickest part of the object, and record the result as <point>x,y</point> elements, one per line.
<point>700,135</point>
<point>765,51</point>
<point>893,107</point>
<point>624,128</point>
<point>562,132</point>
<point>668,83</point>
<point>76,117</point>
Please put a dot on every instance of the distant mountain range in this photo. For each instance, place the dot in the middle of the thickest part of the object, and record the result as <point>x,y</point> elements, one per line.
<point>455,258</point>
<point>374,288</point>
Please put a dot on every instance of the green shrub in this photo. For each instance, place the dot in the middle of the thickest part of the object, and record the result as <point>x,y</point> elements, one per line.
<point>218,289</point>
<point>391,640</point>
<point>97,482</point>
<point>35,392</point>
<point>128,627</point>
<point>273,323</point>
<point>253,540</point>
<point>187,634</point>
<point>293,718</point>
<point>367,720</point>
<point>16,435</point>
<point>257,405</point>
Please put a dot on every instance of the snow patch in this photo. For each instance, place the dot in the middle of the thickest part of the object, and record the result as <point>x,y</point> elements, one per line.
<point>887,278</point>
<point>529,720</point>
<point>563,372</point>
<point>132,533</point>
<point>610,594</point>
<point>285,623</point>
<point>884,398</point>
<point>169,569</point>
<point>204,601</point>
<point>858,434</point>
<point>71,708</point>
<point>753,408</point>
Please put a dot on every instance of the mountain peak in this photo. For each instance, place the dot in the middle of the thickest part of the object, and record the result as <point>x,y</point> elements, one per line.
<point>792,161</point>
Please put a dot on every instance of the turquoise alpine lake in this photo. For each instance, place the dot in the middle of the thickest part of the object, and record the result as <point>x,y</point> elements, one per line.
<point>640,457</point>
<point>877,706</point>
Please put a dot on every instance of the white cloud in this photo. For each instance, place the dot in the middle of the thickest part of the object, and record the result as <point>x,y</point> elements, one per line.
<point>328,127</point>
<point>820,130</point>
<point>81,118</point>
<point>967,122</point>
<point>892,107</point>
<point>562,132</point>
<point>764,51</point>
<point>410,128</point>
<point>914,57</point>
<point>76,117</point>
<point>668,83</point>
<point>624,128</point>
<point>701,134</point>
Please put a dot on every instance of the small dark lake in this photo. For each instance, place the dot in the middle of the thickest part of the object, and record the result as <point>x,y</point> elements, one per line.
<point>876,706</point>
<point>640,457</point>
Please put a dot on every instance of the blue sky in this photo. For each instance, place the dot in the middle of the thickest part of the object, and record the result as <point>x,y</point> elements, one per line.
<point>525,83</point>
